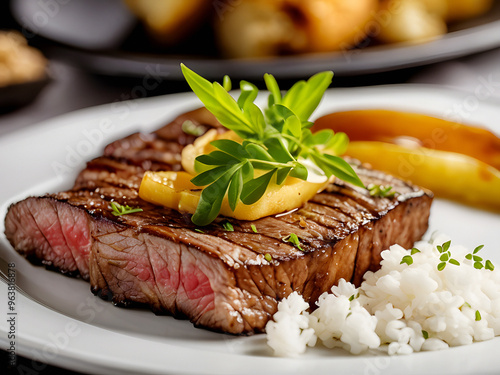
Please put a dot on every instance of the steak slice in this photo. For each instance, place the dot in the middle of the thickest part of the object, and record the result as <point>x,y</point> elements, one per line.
<point>218,279</point>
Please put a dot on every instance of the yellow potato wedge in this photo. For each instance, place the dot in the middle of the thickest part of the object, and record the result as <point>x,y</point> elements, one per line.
<point>447,174</point>
<point>430,132</point>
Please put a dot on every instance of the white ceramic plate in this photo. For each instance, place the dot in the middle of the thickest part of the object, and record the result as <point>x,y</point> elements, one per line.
<point>60,322</point>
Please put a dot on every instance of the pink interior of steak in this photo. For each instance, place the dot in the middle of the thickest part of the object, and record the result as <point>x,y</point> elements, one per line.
<point>219,279</point>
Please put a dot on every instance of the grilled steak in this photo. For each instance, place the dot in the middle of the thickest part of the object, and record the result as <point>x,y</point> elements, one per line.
<point>218,279</point>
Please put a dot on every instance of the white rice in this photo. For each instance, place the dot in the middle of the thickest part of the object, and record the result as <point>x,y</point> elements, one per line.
<point>399,309</point>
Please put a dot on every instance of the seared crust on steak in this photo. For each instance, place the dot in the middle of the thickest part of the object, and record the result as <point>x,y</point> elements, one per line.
<point>218,279</point>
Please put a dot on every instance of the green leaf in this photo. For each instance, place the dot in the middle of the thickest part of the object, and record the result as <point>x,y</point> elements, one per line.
<point>254,228</point>
<point>322,137</point>
<point>477,258</point>
<point>454,262</point>
<point>304,97</point>
<point>249,93</point>
<point>254,189</point>
<point>208,177</point>
<point>468,256</point>
<point>441,266</point>
<point>219,102</point>
<point>338,167</point>
<point>477,249</point>
<point>282,174</point>
<point>235,188</point>
<point>256,117</point>
<point>226,83</point>
<point>216,158</point>
<point>268,257</point>
<point>478,265</point>
<point>273,88</point>
<point>407,259</point>
<point>299,171</point>
<point>444,257</point>
<point>230,147</point>
<point>425,334</point>
<point>446,245</point>
<point>278,150</point>
<point>414,251</point>
<point>337,144</point>
<point>478,316</point>
<point>489,265</point>
<point>212,196</point>
<point>440,248</point>
<point>257,151</point>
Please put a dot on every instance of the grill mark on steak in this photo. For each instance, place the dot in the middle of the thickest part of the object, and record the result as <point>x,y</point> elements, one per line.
<point>218,279</point>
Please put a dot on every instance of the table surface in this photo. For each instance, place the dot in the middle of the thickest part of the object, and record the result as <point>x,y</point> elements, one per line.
<point>73,89</point>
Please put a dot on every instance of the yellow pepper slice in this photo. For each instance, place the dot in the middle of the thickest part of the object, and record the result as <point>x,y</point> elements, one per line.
<point>447,174</point>
<point>402,127</point>
<point>175,190</point>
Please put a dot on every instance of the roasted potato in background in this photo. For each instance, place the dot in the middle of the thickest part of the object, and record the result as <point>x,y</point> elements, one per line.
<point>422,20</point>
<point>257,28</point>
<point>261,28</point>
<point>19,63</point>
<point>169,21</point>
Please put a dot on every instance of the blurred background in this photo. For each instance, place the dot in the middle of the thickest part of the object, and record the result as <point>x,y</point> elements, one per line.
<point>90,52</point>
<point>57,56</point>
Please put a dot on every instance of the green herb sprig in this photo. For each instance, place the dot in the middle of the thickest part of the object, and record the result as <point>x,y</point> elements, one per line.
<point>276,141</point>
<point>408,259</point>
<point>445,257</point>
<point>119,210</point>
<point>478,261</point>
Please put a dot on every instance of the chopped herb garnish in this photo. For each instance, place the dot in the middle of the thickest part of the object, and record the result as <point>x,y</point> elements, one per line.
<point>407,259</point>
<point>381,191</point>
<point>478,261</point>
<point>353,297</point>
<point>191,128</point>
<point>425,334</point>
<point>478,316</point>
<point>294,239</point>
<point>254,228</point>
<point>198,230</point>
<point>277,141</point>
<point>228,226</point>
<point>119,210</point>
<point>445,256</point>
<point>489,265</point>
<point>268,257</point>
<point>414,251</point>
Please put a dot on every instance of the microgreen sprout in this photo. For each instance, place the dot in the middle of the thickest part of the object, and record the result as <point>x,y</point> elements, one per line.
<point>445,257</point>
<point>293,239</point>
<point>119,210</point>
<point>381,191</point>
<point>478,261</point>
<point>408,259</point>
<point>228,226</point>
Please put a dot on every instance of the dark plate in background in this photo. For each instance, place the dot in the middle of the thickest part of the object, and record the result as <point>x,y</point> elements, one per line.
<point>104,38</point>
